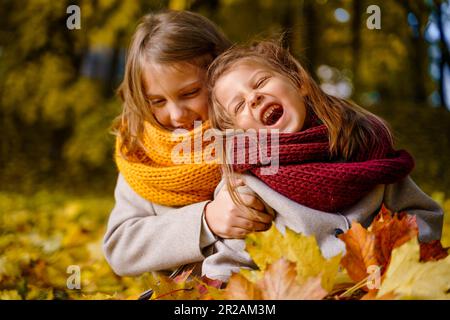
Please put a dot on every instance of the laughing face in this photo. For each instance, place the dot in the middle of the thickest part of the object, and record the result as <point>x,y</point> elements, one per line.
<point>256,97</point>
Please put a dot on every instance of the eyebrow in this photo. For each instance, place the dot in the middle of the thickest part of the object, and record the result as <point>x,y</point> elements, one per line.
<point>249,82</point>
<point>191,84</point>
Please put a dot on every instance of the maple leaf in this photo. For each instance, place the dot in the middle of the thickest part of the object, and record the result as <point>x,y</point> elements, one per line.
<point>267,247</point>
<point>166,288</point>
<point>185,286</point>
<point>239,288</point>
<point>391,231</point>
<point>278,283</point>
<point>409,278</point>
<point>360,251</point>
<point>373,246</point>
<point>432,251</point>
<point>209,289</point>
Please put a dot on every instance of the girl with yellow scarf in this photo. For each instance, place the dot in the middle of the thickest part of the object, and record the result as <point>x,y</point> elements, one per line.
<point>165,216</point>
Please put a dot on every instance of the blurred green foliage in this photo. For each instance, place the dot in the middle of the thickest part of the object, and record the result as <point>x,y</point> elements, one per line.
<point>425,133</point>
<point>55,113</point>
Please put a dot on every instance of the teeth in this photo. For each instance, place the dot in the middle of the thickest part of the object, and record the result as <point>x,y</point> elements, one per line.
<point>272,114</point>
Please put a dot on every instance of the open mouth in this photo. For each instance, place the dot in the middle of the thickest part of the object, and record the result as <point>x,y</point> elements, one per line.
<point>272,114</point>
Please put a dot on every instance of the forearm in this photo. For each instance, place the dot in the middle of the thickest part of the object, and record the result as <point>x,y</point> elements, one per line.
<point>151,243</point>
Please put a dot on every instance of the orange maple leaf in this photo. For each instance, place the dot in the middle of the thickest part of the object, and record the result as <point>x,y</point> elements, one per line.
<point>373,246</point>
<point>432,251</point>
<point>391,231</point>
<point>239,288</point>
<point>278,283</point>
<point>360,251</point>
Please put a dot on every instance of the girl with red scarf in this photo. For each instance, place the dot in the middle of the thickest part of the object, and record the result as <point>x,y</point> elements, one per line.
<point>337,162</point>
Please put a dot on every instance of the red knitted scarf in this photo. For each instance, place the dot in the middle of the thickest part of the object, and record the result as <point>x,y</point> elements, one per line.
<point>307,176</point>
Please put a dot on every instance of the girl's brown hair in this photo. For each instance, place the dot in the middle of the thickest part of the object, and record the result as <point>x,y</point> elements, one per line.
<point>351,128</point>
<point>163,38</point>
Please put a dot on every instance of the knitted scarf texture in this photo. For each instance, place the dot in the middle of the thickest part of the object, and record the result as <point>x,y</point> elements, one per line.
<point>153,175</point>
<point>308,175</point>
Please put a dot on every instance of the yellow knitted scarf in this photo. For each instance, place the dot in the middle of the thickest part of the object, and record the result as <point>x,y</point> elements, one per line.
<point>154,176</point>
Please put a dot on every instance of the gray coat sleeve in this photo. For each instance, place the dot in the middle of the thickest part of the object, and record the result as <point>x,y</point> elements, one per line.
<point>228,255</point>
<point>407,196</point>
<point>143,237</point>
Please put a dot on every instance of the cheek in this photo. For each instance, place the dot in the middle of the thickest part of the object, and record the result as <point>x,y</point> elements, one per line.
<point>294,100</point>
<point>246,122</point>
<point>200,105</point>
<point>162,116</point>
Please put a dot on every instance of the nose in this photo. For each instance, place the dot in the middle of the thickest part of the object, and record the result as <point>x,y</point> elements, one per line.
<point>256,100</point>
<point>178,114</point>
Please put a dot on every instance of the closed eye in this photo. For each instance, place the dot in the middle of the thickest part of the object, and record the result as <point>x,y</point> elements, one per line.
<point>157,102</point>
<point>191,93</point>
<point>238,106</point>
<point>261,82</point>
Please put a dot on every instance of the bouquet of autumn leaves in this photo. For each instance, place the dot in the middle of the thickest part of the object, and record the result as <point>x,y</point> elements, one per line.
<point>384,261</point>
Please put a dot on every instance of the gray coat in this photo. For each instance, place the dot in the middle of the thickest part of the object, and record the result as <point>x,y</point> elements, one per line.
<point>229,254</point>
<point>142,236</point>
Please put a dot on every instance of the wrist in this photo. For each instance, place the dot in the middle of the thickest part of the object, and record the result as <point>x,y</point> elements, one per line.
<point>206,214</point>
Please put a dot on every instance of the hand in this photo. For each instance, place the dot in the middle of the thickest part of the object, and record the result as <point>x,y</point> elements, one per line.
<point>227,220</point>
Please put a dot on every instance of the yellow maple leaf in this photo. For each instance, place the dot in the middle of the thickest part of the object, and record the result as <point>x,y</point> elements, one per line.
<point>268,247</point>
<point>409,278</point>
<point>265,247</point>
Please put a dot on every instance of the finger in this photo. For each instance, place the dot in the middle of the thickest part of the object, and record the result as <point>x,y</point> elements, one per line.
<point>252,201</point>
<point>255,215</point>
<point>249,225</point>
<point>258,226</point>
<point>263,217</point>
<point>242,223</point>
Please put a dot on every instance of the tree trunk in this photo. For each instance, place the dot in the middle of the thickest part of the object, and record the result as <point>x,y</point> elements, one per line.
<point>310,26</point>
<point>287,23</point>
<point>356,41</point>
<point>445,56</point>
<point>418,49</point>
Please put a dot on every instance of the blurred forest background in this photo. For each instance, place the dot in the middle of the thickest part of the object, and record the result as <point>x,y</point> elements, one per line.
<point>57,101</point>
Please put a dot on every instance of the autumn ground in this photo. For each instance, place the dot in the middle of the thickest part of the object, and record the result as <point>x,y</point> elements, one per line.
<point>42,235</point>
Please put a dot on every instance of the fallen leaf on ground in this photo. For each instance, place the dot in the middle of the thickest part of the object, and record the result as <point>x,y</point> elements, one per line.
<point>268,247</point>
<point>278,283</point>
<point>373,246</point>
<point>409,278</point>
<point>432,251</point>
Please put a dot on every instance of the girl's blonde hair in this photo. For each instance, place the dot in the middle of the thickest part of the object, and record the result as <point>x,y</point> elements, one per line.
<point>350,127</point>
<point>164,38</point>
